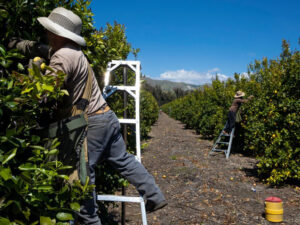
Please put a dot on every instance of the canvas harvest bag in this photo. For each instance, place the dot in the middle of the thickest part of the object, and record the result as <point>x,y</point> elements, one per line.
<point>238,116</point>
<point>71,132</point>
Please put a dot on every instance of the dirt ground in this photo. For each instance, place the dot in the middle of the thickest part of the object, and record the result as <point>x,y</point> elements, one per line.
<point>203,189</point>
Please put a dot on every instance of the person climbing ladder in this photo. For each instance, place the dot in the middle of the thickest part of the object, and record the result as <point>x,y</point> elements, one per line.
<point>237,101</point>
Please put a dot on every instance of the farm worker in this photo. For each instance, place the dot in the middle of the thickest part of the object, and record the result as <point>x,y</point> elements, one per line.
<point>105,141</point>
<point>237,101</point>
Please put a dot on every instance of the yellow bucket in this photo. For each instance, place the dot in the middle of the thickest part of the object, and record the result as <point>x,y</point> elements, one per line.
<point>274,209</point>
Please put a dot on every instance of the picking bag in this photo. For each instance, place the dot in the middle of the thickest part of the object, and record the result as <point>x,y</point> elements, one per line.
<point>238,116</point>
<point>72,135</point>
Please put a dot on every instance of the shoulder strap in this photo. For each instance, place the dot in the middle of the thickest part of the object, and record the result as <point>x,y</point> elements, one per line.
<point>82,105</point>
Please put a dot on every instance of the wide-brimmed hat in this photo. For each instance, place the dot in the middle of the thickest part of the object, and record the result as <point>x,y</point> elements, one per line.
<point>64,23</point>
<point>239,94</point>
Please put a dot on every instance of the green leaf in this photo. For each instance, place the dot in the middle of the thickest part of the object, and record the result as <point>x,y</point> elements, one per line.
<point>64,92</point>
<point>64,177</point>
<point>38,147</point>
<point>11,154</point>
<point>21,67</point>
<point>48,87</point>
<point>27,166</point>
<point>45,220</point>
<point>4,13</point>
<point>65,167</point>
<point>2,50</point>
<point>9,133</point>
<point>6,64</point>
<point>75,206</point>
<point>17,55</point>
<point>86,183</point>
<point>45,188</point>
<point>10,84</point>
<point>53,152</point>
<point>27,90</point>
<point>26,176</point>
<point>4,221</point>
<point>35,223</point>
<point>36,71</point>
<point>38,86</point>
<point>19,222</point>
<point>11,104</point>
<point>64,216</point>
<point>5,173</point>
<point>16,203</point>
<point>35,138</point>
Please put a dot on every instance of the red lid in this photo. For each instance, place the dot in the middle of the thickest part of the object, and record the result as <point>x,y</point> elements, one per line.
<point>273,199</point>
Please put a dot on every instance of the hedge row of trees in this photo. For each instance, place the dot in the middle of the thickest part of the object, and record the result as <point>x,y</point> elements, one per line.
<point>34,187</point>
<point>271,121</point>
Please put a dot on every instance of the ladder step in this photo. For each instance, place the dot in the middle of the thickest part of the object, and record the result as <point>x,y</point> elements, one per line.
<point>117,198</point>
<point>219,143</point>
<point>223,150</point>
<point>128,121</point>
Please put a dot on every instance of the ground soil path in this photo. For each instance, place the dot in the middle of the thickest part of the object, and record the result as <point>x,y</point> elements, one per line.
<point>203,189</point>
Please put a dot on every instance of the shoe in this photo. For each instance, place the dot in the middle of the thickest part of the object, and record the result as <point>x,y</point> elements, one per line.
<point>151,206</point>
<point>224,132</point>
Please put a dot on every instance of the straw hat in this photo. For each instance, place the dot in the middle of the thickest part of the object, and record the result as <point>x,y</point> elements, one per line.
<point>64,23</point>
<point>239,94</point>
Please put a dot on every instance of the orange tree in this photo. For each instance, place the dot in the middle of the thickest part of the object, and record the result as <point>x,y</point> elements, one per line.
<point>149,112</point>
<point>33,186</point>
<point>203,110</point>
<point>270,127</point>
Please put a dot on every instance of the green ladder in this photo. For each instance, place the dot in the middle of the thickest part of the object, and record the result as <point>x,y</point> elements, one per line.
<point>223,139</point>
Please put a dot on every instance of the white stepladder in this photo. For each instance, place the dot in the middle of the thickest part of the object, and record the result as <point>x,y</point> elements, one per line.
<point>134,91</point>
<point>223,140</point>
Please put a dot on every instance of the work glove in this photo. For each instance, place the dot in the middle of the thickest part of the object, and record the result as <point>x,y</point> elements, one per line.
<point>13,42</point>
<point>30,48</point>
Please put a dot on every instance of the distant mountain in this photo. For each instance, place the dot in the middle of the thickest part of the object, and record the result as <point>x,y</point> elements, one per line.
<point>166,85</point>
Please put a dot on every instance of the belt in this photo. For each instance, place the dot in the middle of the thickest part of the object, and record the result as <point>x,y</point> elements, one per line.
<point>100,111</point>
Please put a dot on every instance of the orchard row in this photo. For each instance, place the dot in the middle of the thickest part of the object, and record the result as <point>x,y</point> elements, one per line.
<point>271,120</point>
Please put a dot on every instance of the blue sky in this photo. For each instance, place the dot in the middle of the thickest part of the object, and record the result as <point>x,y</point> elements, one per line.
<point>192,40</point>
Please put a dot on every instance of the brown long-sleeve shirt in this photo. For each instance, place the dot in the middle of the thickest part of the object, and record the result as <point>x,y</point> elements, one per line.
<point>236,104</point>
<point>71,61</point>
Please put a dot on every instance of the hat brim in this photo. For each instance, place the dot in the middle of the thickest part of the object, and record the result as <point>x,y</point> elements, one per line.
<point>60,31</point>
<point>238,96</point>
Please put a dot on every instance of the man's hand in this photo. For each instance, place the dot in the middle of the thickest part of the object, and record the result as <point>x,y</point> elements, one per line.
<point>30,48</point>
<point>13,42</point>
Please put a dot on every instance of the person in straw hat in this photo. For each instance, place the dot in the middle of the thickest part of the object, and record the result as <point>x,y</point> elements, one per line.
<point>237,101</point>
<point>105,141</point>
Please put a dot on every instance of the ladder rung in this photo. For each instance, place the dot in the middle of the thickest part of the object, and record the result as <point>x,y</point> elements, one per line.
<point>223,150</point>
<point>128,121</point>
<point>219,143</point>
<point>117,198</point>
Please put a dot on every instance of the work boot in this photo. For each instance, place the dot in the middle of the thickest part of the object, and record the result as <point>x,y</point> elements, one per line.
<point>151,206</point>
<point>225,133</point>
